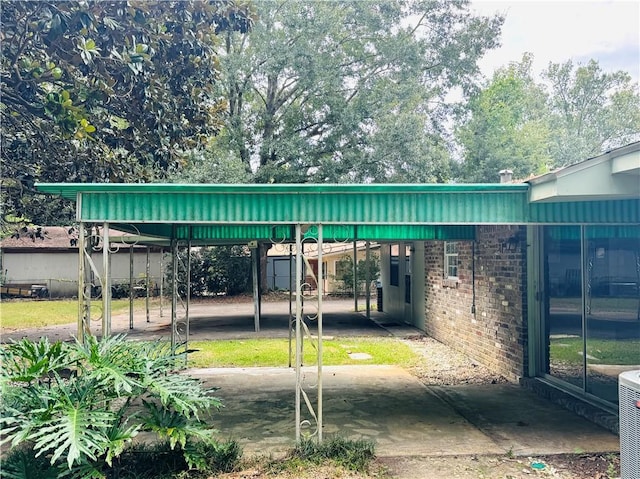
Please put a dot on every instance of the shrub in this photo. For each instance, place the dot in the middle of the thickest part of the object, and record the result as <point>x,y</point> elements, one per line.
<point>79,405</point>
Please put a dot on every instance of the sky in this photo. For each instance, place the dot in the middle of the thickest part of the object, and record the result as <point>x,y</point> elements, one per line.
<point>556,31</point>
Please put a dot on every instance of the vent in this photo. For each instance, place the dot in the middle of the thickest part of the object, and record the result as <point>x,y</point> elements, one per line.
<point>629,397</point>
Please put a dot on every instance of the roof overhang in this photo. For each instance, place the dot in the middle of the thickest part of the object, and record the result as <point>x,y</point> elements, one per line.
<point>613,175</point>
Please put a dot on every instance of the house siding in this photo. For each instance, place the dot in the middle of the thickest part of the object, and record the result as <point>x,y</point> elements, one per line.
<point>488,322</point>
<point>58,270</point>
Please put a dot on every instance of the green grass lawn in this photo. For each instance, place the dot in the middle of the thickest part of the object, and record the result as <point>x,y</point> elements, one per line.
<point>275,352</point>
<point>619,351</point>
<point>34,314</point>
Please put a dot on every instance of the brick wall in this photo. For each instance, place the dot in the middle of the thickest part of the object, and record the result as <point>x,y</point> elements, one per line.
<point>492,328</point>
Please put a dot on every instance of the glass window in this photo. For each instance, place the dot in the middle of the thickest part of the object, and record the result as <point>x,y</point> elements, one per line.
<point>451,259</point>
<point>592,306</point>
<point>394,266</point>
<point>612,307</point>
<point>563,305</point>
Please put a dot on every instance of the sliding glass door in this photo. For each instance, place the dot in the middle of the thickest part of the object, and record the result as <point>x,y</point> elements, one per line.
<point>592,306</point>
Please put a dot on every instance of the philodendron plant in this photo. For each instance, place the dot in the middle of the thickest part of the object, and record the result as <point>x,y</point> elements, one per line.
<point>79,405</point>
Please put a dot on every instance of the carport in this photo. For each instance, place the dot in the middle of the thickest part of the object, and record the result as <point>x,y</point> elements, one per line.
<point>307,215</point>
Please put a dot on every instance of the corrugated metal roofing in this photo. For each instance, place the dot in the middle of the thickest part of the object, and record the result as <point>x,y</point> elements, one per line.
<point>376,212</point>
<point>288,204</point>
<point>586,212</point>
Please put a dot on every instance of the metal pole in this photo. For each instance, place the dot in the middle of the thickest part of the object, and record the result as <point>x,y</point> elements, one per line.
<point>298,327</point>
<point>187,318</point>
<point>584,267</point>
<point>367,276</point>
<point>81,283</point>
<point>320,294</point>
<point>174,291</point>
<point>255,256</point>
<point>148,283</point>
<point>161,281</point>
<point>290,302</point>
<point>106,282</point>
<point>131,287</point>
<point>355,276</point>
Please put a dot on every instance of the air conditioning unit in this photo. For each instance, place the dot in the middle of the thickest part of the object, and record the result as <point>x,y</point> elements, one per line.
<point>629,400</point>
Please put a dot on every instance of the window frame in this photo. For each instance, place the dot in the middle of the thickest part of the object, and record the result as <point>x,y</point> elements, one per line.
<point>449,258</point>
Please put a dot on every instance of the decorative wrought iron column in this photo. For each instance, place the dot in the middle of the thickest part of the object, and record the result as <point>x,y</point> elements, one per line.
<point>84,284</point>
<point>106,282</point>
<point>305,314</point>
<point>180,293</point>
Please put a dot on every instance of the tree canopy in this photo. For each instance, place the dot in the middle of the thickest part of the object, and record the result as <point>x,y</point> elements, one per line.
<point>507,128</point>
<point>97,91</point>
<point>530,126</point>
<point>348,91</point>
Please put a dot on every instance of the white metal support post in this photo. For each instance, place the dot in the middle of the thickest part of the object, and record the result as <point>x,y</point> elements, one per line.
<point>188,294</point>
<point>298,328</point>
<point>367,276</point>
<point>84,287</point>
<point>106,282</point>
<point>355,275</point>
<point>320,282</point>
<point>131,287</point>
<point>312,234</point>
<point>174,291</point>
<point>255,257</point>
<point>147,285</point>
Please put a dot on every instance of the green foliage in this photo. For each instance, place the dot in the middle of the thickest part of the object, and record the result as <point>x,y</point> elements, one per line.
<point>354,455</point>
<point>106,91</point>
<point>216,269</point>
<point>79,405</point>
<point>591,111</point>
<point>508,127</point>
<point>138,460</point>
<point>530,127</point>
<point>228,269</point>
<point>364,270</point>
<point>348,91</point>
<point>209,165</point>
<point>22,463</point>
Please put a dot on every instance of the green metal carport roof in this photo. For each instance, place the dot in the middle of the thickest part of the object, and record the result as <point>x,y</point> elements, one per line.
<point>217,212</point>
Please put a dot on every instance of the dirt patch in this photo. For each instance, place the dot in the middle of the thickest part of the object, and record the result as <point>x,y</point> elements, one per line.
<point>563,466</point>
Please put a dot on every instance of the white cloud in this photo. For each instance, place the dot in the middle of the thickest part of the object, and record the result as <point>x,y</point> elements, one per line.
<point>556,31</point>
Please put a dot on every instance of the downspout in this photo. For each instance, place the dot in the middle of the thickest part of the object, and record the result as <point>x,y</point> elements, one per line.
<point>473,278</point>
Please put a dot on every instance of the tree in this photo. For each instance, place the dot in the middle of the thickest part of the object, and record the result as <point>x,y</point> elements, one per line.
<point>591,111</point>
<point>348,91</point>
<point>507,127</point>
<point>530,127</point>
<point>228,269</point>
<point>365,270</point>
<point>98,91</point>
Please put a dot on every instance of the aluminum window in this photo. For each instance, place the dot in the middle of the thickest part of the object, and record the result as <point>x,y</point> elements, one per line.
<point>451,259</point>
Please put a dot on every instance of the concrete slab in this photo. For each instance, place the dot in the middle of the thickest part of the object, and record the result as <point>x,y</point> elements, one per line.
<point>521,422</point>
<point>405,418</point>
<point>382,403</point>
